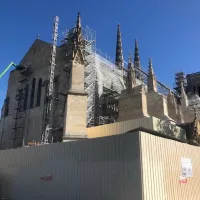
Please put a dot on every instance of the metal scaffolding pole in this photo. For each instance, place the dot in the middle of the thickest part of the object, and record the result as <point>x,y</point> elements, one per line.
<point>47,134</point>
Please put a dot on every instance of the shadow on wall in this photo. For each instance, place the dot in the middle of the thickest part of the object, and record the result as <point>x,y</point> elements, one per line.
<point>5,192</point>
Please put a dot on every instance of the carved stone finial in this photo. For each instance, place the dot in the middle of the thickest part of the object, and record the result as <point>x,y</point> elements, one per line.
<point>78,39</point>
<point>150,66</point>
<point>130,59</point>
<point>183,94</point>
<point>78,22</point>
<point>151,79</point>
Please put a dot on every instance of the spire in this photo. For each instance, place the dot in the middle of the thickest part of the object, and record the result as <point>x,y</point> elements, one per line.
<point>151,79</point>
<point>119,61</point>
<point>137,61</point>
<point>78,33</point>
<point>78,22</point>
<point>137,57</point>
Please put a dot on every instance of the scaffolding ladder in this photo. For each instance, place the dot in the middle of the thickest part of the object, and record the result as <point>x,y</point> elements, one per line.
<point>19,114</point>
<point>89,51</point>
<point>47,135</point>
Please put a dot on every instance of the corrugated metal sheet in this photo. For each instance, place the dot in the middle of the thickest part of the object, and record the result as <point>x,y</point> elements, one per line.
<point>119,127</point>
<point>103,168</point>
<point>161,169</point>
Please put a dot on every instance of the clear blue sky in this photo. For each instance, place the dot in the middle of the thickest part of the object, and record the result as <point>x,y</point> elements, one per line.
<point>168,31</point>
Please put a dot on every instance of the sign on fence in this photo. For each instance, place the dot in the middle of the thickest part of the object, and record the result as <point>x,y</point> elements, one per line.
<point>186,165</point>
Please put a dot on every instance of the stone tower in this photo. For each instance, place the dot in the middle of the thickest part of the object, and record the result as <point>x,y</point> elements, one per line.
<point>76,103</point>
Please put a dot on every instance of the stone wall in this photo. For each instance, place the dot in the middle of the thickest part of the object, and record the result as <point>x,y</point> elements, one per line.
<point>38,57</point>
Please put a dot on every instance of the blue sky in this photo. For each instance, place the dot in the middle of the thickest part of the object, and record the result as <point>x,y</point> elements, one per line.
<point>167,31</point>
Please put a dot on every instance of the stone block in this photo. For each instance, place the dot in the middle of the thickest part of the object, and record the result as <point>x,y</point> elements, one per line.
<point>75,117</point>
<point>133,105</point>
<point>157,105</point>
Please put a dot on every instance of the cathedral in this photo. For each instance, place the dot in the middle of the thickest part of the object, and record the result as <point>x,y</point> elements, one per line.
<point>88,90</point>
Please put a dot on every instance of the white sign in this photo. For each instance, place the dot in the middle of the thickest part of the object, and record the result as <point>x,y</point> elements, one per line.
<point>186,165</point>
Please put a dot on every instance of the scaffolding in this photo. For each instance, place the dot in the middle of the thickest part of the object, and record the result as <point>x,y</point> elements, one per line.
<point>162,88</point>
<point>104,82</point>
<point>100,74</point>
<point>108,75</point>
<point>110,81</point>
<point>89,37</point>
<point>180,78</point>
<point>18,125</point>
<point>47,134</point>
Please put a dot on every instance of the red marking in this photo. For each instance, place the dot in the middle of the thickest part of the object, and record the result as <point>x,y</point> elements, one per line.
<point>46,178</point>
<point>183,181</point>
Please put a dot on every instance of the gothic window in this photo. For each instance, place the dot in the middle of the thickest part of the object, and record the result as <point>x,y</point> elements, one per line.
<point>6,111</point>
<point>32,93</point>
<point>39,92</point>
<point>26,97</point>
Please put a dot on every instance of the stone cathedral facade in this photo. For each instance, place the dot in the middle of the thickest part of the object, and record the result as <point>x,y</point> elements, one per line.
<point>23,112</point>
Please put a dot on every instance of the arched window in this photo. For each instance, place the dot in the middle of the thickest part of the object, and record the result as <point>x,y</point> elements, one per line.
<point>39,92</point>
<point>26,97</point>
<point>32,93</point>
